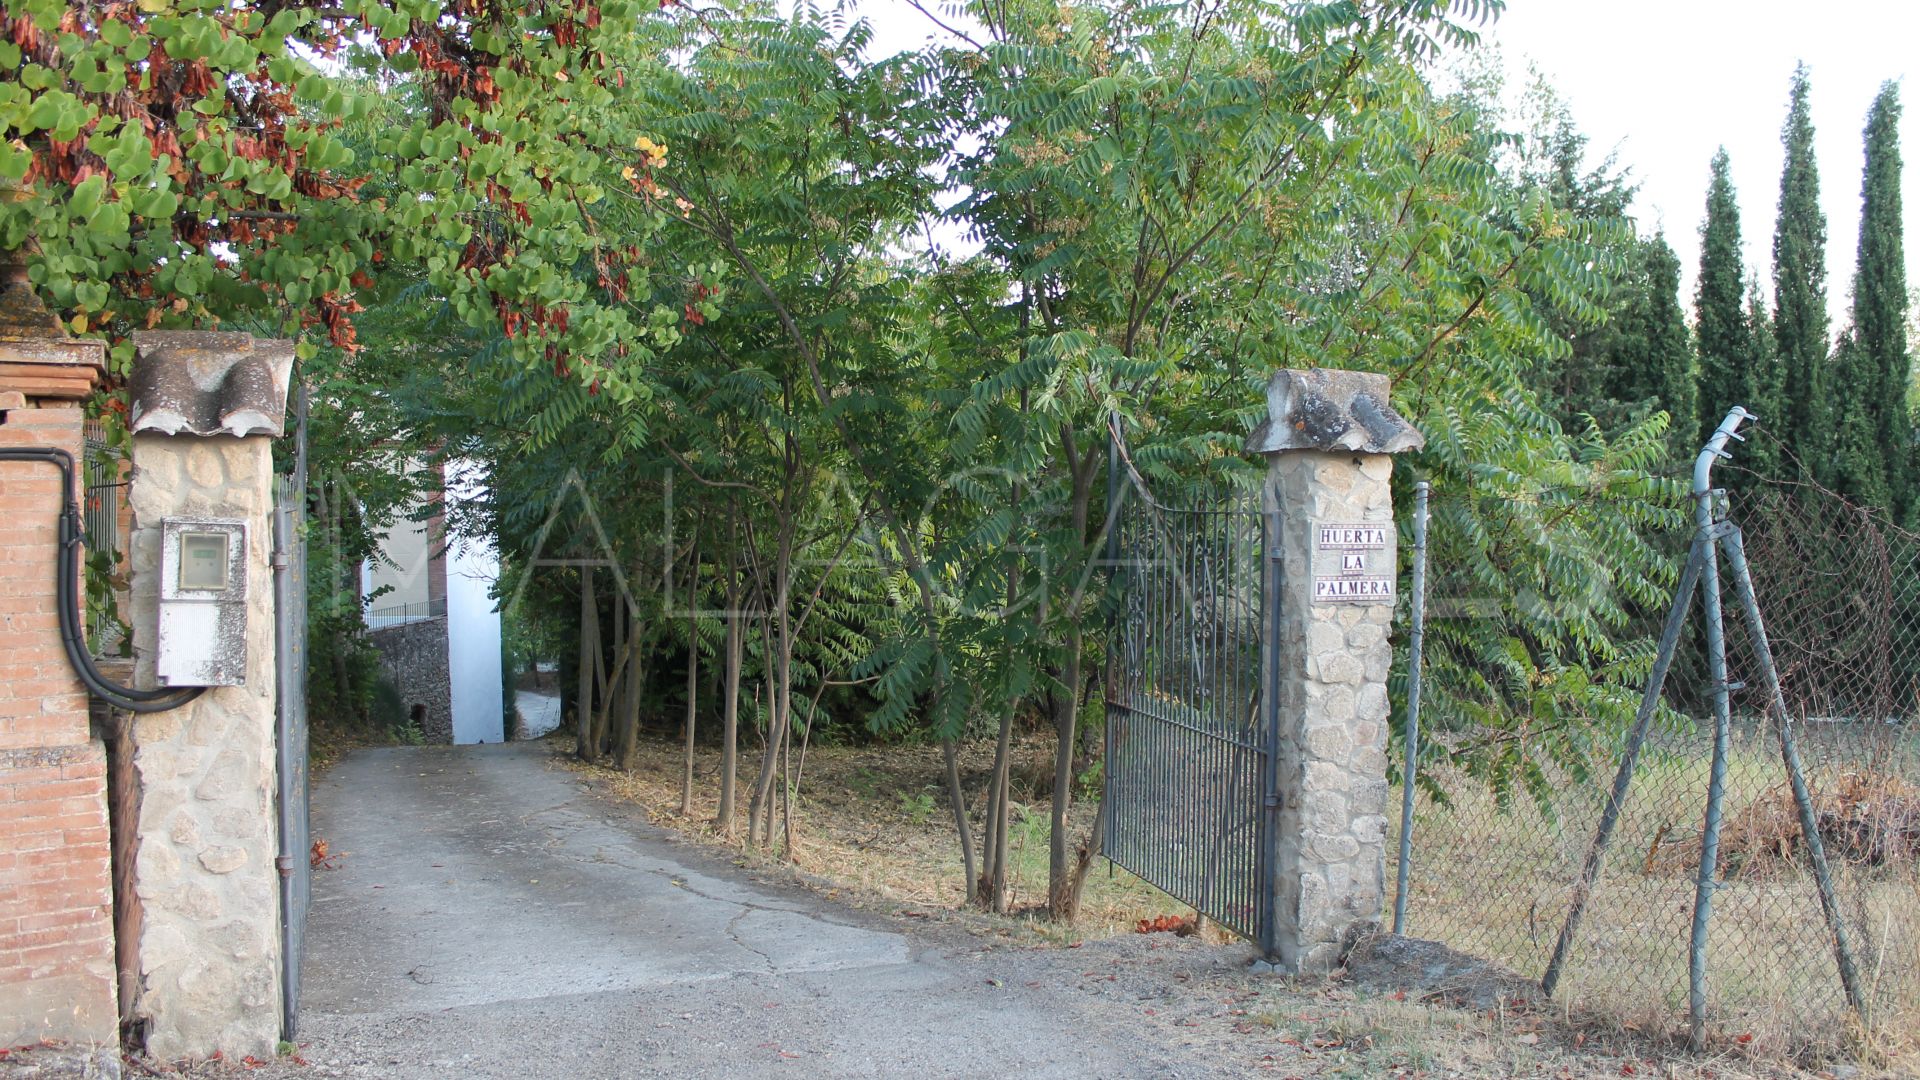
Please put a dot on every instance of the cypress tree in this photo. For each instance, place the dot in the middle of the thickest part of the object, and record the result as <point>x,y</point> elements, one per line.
<point>1859,462</point>
<point>1728,373</point>
<point>1762,455</point>
<point>1800,293</point>
<point>1653,360</point>
<point>1880,363</point>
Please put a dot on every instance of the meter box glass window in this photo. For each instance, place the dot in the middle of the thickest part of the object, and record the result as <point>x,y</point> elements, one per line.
<point>203,560</point>
<point>203,602</point>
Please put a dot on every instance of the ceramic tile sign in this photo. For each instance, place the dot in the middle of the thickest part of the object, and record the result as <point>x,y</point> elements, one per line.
<point>1353,563</point>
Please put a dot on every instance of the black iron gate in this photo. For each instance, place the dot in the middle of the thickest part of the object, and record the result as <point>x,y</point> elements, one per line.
<point>290,649</point>
<point>1189,735</point>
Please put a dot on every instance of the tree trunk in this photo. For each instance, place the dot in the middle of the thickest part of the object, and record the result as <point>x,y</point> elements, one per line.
<point>993,858</point>
<point>763,783</point>
<point>1060,887</point>
<point>730,724</point>
<point>613,689</point>
<point>627,740</point>
<point>782,694</point>
<point>693,695</point>
<point>957,802</point>
<point>786,799</point>
<point>589,657</point>
<point>780,689</point>
<point>1089,851</point>
<point>1066,708</point>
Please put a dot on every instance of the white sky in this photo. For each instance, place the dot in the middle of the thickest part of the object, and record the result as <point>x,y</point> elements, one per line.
<point>1663,83</point>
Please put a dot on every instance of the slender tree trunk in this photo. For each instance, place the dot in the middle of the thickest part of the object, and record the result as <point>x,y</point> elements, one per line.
<point>994,860</point>
<point>613,693</point>
<point>589,658</point>
<point>770,746</point>
<point>627,739</point>
<point>768,794</point>
<point>730,724</point>
<point>1066,712</point>
<point>1083,863</point>
<point>990,844</point>
<point>994,857</point>
<point>957,802</point>
<point>693,683</point>
<point>1066,708</point>
<point>786,798</point>
<point>779,690</point>
<point>783,699</point>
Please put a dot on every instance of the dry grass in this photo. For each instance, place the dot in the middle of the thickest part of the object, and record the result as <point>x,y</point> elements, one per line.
<point>1491,882</point>
<point>876,821</point>
<point>1496,882</point>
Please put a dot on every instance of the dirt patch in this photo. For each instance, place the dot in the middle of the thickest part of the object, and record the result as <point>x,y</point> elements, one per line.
<point>1429,971</point>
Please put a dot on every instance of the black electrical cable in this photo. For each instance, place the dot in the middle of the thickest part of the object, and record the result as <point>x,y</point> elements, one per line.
<point>66,574</point>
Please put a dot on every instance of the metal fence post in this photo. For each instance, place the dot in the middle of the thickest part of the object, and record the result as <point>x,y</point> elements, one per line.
<point>1416,659</point>
<point>1629,759</point>
<point>1709,532</point>
<point>1735,548</point>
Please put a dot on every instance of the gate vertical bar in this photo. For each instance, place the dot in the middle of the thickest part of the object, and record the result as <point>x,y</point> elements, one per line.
<point>1736,551</point>
<point>1416,661</point>
<point>1708,531</point>
<point>1272,554</point>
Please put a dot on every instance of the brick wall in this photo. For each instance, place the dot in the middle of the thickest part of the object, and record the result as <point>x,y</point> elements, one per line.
<point>56,906</point>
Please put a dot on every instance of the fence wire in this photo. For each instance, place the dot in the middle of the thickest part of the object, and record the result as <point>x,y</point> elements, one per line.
<point>1510,794</point>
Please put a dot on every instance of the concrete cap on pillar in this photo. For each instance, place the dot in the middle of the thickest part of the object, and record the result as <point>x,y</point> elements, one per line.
<point>209,382</point>
<point>1328,409</point>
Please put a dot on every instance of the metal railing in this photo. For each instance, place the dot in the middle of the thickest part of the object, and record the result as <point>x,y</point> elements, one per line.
<point>382,618</point>
<point>1187,741</point>
<point>100,520</point>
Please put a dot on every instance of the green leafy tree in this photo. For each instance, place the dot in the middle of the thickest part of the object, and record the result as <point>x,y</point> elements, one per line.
<point>1800,294</point>
<point>1187,198</point>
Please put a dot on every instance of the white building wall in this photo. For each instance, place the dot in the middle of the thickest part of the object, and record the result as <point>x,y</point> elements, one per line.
<point>473,622</point>
<point>406,552</point>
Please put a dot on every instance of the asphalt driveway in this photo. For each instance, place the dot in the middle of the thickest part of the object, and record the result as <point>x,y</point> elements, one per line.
<point>489,915</point>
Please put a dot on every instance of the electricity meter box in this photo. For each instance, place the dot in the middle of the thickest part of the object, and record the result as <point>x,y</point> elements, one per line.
<point>203,602</point>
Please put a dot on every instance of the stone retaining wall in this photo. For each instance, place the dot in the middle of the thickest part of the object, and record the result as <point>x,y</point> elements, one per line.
<point>415,657</point>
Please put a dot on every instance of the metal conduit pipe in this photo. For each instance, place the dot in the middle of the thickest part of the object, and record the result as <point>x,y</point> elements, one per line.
<point>66,575</point>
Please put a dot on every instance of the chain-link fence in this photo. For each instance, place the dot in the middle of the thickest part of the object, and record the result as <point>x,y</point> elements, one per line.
<point>1515,776</point>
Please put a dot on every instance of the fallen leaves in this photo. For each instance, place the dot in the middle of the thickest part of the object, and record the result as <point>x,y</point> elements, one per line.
<point>1182,925</point>
<point>321,857</point>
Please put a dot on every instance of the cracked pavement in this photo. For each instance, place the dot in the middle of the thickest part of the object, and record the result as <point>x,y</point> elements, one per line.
<point>490,915</point>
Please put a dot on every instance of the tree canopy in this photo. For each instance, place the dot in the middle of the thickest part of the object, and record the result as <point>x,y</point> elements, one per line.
<point>833,361</point>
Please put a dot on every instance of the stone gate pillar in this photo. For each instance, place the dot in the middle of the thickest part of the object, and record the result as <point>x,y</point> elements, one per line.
<point>205,409</point>
<point>1329,438</point>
